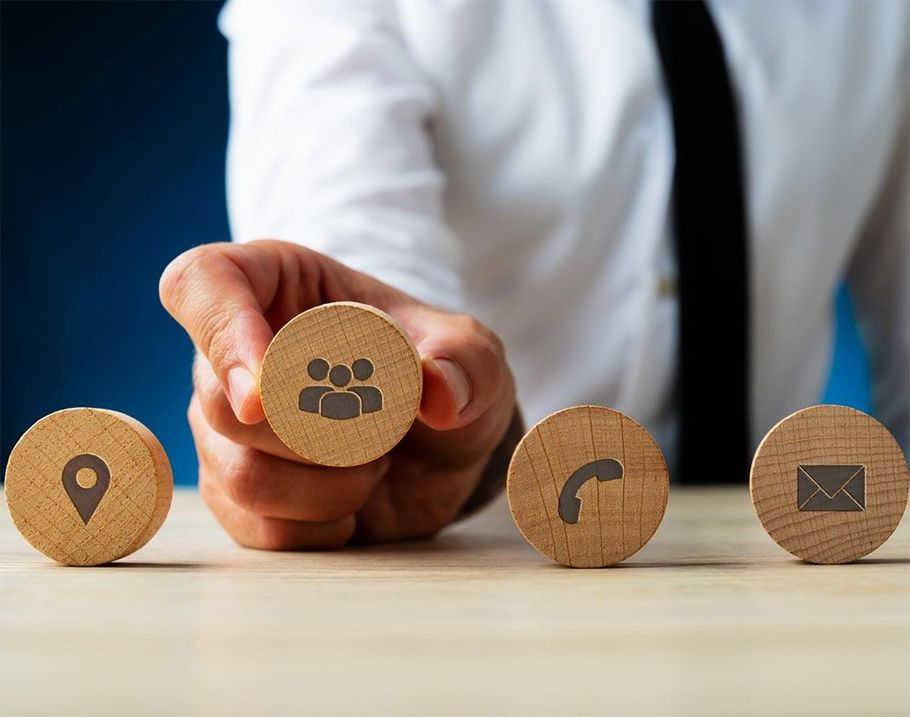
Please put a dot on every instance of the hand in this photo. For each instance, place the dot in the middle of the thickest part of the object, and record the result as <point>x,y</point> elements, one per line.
<point>231,298</point>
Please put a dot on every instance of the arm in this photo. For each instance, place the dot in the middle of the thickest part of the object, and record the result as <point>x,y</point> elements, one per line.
<point>329,149</point>
<point>329,143</point>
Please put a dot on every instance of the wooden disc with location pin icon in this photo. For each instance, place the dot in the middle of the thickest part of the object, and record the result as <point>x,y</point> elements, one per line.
<point>587,486</point>
<point>341,384</point>
<point>829,484</point>
<point>87,486</point>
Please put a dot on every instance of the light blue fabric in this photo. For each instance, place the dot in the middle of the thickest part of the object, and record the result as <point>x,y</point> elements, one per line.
<point>848,382</point>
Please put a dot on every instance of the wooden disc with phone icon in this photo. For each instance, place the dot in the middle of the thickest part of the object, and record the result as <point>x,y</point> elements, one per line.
<point>587,486</point>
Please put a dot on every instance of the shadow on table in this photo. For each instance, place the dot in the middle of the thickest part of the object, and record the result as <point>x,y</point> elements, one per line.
<point>685,564</point>
<point>746,564</point>
<point>158,566</point>
<point>863,561</point>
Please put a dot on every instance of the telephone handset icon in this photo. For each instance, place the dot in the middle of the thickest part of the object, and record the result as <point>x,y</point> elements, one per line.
<point>569,502</point>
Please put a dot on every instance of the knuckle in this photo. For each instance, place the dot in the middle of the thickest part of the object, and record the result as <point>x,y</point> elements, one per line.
<point>438,516</point>
<point>488,348</point>
<point>337,509</point>
<point>212,400</point>
<point>339,539</point>
<point>490,340</point>
<point>482,336</point>
<point>204,378</point>
<point>191,411</point>
<point>468,324</point>
<point>271,534</point>
<point>207,489</point>
<point>178,274</point>
<point>219,414</point>
<point>497,346</point>
<point>432,510</point>
<point>340,535</point>
<point>357,485</point>
<point>199,428</point>
<point>251,532</point>
<point>241,480</point>
<point>214,336</point>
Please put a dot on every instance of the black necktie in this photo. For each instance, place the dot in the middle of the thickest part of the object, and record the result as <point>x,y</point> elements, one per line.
<point>711,247</point>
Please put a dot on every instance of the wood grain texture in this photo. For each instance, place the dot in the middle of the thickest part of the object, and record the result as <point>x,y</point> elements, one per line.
<point>829,436</point>
<point>130,511</point>
<point>340,334</point>
<point>710,618</point>
<point>617,517</point>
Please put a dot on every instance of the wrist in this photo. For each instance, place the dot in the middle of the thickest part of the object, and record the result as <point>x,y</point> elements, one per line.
<point>493,478</point>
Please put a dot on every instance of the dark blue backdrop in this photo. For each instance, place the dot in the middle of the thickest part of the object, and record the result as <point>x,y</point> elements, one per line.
<point>114,122</point>
<point>112,131</point>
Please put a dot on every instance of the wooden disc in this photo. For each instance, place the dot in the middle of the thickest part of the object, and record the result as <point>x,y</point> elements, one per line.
<point>829,484</point>
<point>341,384</point>
<point>86,486</point>
<point>587,486</point>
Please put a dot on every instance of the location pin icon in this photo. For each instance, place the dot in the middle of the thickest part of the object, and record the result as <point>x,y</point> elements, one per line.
<point>86,500</point>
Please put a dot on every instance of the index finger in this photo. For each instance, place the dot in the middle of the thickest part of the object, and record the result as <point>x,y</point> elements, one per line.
<point>218,293</point>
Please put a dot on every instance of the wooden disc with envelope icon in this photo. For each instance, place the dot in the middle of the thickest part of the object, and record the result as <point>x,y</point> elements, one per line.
<point>587,486</point>
<point>829,484</point>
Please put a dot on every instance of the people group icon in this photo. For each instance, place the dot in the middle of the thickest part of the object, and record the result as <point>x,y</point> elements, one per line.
<point>340,400</point>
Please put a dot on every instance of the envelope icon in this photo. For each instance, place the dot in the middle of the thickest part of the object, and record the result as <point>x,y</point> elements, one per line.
<point>831,488</point>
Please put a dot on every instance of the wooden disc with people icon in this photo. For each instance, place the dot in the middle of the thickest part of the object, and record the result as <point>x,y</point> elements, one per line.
<point>587,486</point>
<point>341,384</point>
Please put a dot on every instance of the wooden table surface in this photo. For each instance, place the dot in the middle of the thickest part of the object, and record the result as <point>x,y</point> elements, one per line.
<point>710,618</point>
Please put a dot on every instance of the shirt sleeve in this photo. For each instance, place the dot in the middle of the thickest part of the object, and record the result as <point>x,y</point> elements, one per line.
<point>330,143</point>
<point>879,279</point>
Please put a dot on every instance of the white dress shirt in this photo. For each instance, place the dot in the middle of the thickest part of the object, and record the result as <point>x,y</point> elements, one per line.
<point>513,160</point>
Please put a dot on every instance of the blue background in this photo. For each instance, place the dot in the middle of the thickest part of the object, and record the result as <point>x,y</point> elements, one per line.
<point>113,126</point>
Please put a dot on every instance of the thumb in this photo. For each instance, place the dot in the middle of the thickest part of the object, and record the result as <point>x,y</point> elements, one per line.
<point>212,292</point>
<point>464,368</point>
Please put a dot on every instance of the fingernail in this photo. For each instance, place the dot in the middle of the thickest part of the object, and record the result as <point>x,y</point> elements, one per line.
<point>241,383</point>
<point>457,380</point>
